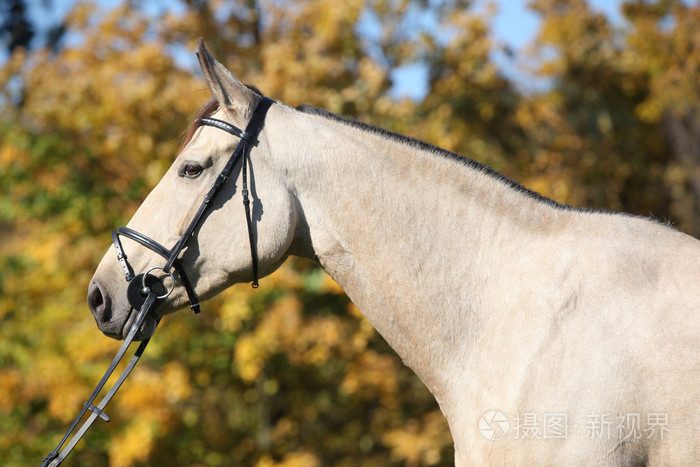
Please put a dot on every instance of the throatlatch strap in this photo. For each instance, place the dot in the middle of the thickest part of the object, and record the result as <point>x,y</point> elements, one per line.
<point>249,221</point>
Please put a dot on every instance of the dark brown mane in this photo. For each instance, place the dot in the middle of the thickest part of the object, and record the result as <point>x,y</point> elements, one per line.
<point>206,110</point>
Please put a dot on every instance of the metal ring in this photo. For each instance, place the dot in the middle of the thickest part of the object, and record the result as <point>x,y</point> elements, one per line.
<point>172,278</point>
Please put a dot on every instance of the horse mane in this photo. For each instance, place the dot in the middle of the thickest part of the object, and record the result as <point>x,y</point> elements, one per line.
<point>422,145</point>
<point>471,163</point>
<point>206,110</point>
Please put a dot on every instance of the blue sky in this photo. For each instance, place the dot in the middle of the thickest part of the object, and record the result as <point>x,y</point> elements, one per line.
<point>514,25</point>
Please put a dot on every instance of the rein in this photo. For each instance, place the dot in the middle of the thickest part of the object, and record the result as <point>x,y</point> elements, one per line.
<point>145,291</point>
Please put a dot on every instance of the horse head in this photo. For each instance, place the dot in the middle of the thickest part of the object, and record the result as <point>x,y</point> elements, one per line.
<point>221,247</point>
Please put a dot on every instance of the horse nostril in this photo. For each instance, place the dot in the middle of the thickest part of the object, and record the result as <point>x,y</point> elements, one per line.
<point>99,303</point>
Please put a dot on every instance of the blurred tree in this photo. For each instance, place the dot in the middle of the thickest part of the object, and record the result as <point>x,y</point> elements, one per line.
<point>585,129</point>
<point>614,112</point>
<point>471,105</point>
<point>15,30</point>
<point>664,49</point>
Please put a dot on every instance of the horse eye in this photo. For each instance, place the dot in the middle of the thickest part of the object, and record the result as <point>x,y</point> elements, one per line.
<point>191,170</point>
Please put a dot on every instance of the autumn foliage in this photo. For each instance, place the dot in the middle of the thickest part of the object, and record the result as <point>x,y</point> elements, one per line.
<point>291,374</point>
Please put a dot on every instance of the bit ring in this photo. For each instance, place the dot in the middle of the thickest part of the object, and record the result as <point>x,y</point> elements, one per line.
<point>145,289</point>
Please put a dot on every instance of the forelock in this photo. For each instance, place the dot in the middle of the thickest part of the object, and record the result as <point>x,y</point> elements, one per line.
<point>206,110</point>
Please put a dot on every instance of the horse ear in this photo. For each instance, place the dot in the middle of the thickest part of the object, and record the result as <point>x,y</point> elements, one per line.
<point>225,88</point>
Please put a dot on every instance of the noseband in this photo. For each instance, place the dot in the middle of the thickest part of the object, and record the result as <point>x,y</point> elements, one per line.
<point>146,291</point>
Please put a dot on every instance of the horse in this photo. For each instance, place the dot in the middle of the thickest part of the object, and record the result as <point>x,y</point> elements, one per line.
<point>548,334</point>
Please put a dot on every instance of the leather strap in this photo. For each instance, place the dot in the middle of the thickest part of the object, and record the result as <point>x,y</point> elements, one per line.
<point>227,127</point>
<point>249,221</point>
<point>121,256</point>
<point>55,457</point>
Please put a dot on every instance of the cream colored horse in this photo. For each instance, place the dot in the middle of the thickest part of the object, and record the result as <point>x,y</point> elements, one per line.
<point>547,334</point>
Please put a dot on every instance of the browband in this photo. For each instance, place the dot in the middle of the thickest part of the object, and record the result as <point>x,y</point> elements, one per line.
<point>227,127</point>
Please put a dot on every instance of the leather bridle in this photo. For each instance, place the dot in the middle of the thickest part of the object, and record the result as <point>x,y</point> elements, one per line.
<point>248,138</point>
<point>146,291</point>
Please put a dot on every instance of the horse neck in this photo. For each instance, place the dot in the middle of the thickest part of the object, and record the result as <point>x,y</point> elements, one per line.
<point>413,237</point>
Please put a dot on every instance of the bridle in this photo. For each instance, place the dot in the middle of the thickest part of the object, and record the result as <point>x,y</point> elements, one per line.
<point>146,291</point>
<point>138,284</point>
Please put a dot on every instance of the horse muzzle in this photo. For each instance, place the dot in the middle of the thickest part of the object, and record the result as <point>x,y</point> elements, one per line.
<point>115,322</point>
